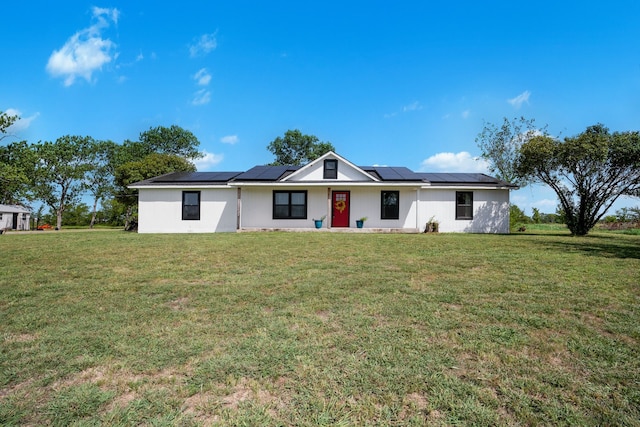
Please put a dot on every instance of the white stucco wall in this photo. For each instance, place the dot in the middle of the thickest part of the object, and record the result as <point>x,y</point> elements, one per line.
<point>490,210</point>
<point>257,206</point>
<point>367,202</point>
<point>160,211</point>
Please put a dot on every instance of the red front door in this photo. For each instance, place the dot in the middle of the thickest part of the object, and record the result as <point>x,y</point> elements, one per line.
<point>340,209</point>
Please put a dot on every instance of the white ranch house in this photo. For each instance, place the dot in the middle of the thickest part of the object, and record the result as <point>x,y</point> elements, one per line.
<point>394,199</point>
<point>14,217</point>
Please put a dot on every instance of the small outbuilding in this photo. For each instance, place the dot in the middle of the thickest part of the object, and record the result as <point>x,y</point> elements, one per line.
<point>330,189</point>
<point>14,217</point>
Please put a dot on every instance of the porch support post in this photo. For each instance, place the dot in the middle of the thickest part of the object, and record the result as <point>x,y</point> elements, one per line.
<point>239,209</point>
<point>329,217</point>
<point>418,208</point>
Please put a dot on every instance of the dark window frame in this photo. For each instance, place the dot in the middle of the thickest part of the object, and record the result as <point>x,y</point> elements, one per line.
<point>464,210</point>
<point>387,210</point>
<point>330,173</point>
<point>191,212</point>
<point>290,207</point>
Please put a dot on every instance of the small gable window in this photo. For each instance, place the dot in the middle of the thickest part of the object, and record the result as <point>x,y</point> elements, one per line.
<point>464,204</point>
<point>190,205</point>
<point>289,205</point>
<point>331,169</point>
<point>390,205</point>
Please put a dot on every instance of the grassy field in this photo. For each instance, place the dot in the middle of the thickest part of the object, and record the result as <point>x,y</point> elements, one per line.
<point>115,328</point>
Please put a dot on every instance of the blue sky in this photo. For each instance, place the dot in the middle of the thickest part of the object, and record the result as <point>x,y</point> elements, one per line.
<point>406,83</point>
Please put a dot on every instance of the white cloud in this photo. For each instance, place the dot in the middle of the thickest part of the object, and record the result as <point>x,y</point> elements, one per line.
<point>22,123</point>
<point>454,162</point>
<point>414,106</point>
<point>202,77</point>
<point>113,14</point>
<point>201,97</point>
<point>203,45</point>
<point>86,51</point>
<point>208,161</point>
<point>465,114</point>
<point>229,139</point>
<point>520,99</point>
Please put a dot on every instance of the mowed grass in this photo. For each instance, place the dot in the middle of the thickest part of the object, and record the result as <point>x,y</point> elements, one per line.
<point>115,328</point>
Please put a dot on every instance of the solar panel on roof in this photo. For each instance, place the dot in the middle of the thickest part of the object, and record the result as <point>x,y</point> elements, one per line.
<point>197,177</point>
<point>460,178</point>
<point>388,174</point>
<point>265,173</point>
<point>395,173</point>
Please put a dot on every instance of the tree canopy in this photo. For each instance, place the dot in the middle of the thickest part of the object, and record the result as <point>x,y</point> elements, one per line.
<point>99,180</point>
<point>59,174</point>
<point>172,140</point>
<point>588,172</point>
<point>297,149</point>
<point>500,146</point>
<point>12,174</point>
<point>6,120</point>
<point>16,160</point>
<point>160,150</point>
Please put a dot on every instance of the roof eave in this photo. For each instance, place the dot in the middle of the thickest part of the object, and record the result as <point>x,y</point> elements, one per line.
<point>326,183</point>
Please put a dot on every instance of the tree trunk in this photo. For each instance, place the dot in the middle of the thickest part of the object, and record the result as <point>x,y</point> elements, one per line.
<point>93,214</point>
<point>127,218</point>
<point>59,219</point>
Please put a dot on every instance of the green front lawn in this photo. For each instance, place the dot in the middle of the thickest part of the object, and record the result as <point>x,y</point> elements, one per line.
<point>117,328</point>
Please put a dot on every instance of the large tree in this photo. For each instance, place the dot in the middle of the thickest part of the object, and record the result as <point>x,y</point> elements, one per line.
<point>99,180</point>
<point>13,179</point>
<point>159,150</point>
<point>297,149</point>
<point>16,161</point>
<point>60,171</point>
<point>588,172</point>
<point>500,146</point>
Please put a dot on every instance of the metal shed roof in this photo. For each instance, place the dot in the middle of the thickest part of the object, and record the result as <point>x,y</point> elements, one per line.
<point>13,209</point>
